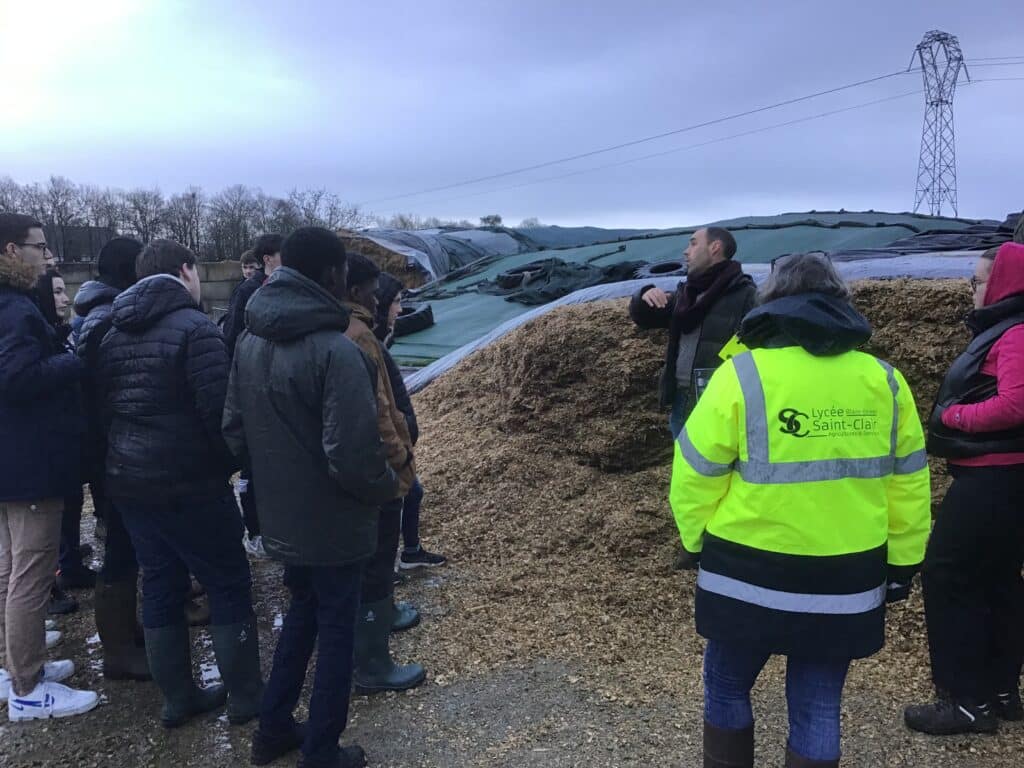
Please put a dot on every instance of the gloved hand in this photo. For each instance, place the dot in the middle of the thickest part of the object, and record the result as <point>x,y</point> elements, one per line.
<point>897,592</point>
<point>686,561</point>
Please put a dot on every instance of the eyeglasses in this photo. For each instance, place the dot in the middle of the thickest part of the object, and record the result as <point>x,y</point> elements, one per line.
<point>783,258</point>
<point>975,282</point>
<point>43,247</point>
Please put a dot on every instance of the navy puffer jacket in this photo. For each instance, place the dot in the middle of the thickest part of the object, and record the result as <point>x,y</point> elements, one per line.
<point>163,370</point>
<point>40,401</point>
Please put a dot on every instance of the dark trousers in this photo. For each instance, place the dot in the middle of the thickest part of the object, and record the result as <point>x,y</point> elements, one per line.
<point>119,562</point>
<point>324,603</point>
<point>379,576</point>
<point>411,517</point>
<point>175,536</point>
<point>973,592</point>
<point>247,498</point>
<point>70,557</point>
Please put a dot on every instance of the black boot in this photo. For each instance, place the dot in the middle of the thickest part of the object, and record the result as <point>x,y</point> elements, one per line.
<point>237,649</point>
<point>947,717</point>
<point>1007,706</point>
<point>728,747</point>
<point>169,651</point>
<point>793,760</point>
<point>375,671</point>
<point>115,623</point>
<point>266,748</point>
<point>348,757</point>
<point>404,616</point>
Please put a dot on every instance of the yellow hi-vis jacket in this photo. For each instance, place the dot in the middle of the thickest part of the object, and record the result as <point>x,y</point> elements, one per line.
<point>804,483</point>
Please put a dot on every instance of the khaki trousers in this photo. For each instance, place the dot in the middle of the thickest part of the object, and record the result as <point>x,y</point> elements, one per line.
<point>29,540</point>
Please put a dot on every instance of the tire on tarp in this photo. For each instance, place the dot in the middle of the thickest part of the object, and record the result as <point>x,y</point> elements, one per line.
<point>670,268</point>
<point>414,318</point>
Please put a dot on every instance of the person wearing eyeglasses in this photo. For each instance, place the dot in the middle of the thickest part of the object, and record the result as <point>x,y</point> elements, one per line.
<point>801,485</point>
<point>39,453</point>
<point>973,591</point>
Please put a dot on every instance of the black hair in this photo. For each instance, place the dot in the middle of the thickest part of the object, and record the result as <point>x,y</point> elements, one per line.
<point>361,270</point>
<point>267,245</point>
<point>312,251</point>
<point>14,228</point>
<point>44,297</point>
<point>390,287</point>
<point>723,236</point>
<point>991,253</point>
<point>116,261</point>
<point>163,257</point>
<point>250,258</point>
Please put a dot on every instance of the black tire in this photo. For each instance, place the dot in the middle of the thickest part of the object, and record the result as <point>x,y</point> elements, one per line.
<point>414,318</point>
<point>670,268</point>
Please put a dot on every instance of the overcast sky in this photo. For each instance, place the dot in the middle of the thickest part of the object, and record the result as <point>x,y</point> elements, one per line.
<point>377,99</point>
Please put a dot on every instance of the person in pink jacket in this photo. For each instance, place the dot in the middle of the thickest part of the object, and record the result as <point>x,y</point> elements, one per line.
<point>972,585</point>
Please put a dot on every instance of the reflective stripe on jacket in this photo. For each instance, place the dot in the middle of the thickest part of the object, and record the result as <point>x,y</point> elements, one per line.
<point>803,480</point>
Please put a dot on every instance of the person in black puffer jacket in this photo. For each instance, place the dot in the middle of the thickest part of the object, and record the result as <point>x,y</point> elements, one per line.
<point>116,598</point>
<point>163,368</point>
<point>389,305</point>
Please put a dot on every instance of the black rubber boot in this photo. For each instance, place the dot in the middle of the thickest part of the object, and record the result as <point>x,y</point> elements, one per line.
<point>794,760</point>
<point>115,622</point>
<point>266,748</point>
<point>1008,706</point>
<point>238,658</point>
<point>169,652</point>
<point>728,747</point>
<point>348,757</point>
<point>404,616</point>
<point>947,717</point>
<point>375,671</point>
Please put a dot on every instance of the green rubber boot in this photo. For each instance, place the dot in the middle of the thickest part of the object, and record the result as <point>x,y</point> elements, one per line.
<point>238,658</point>
<point>169,652</point>
<point>375,671</point>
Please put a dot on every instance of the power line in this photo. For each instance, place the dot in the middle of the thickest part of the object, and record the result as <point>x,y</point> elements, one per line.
<point>635,142</point>
<point>761,129</point>
<point>993,58</point>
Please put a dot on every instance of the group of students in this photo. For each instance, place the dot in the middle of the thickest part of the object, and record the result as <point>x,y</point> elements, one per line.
<point>156,408</point>
<point>802,495</point>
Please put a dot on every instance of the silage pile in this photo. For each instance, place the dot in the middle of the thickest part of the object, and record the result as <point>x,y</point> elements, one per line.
<point>546,461</point>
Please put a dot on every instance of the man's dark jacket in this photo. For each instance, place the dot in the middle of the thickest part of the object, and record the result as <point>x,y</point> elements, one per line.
<point>302,406</point>
<point>720,325</point>
<point>41,422</point>
<point>93,304</point>
<point>234,321</point>
<point>163,370</point>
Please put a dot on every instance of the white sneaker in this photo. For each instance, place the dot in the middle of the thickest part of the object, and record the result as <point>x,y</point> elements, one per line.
<point>53,638</point>
<point>52,672</point>
<point>50,700</point>
<point>254,546</point>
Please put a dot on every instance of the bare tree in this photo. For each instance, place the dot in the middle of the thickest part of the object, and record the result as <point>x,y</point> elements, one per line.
<point>10,195</point>
<point>233,220</point>
<point>491,220</point>
<point>104,208</point>
<point>531,223</point>
<point>320,208</point>
<point>185,218</point>
<point>64,209</point>
<point>144,213</point>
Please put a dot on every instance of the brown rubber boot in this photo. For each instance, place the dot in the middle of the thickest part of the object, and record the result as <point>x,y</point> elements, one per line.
<point>728,747</point>
<point>115,623</point>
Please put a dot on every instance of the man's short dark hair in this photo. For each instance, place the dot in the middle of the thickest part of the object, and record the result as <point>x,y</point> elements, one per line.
<point>250,258</point>
<point>311,251</point>
<point>163,257</point>
<point>724,236</point>
<point>361,270</point>
<point>14,228</point>
<point>116,261</point>
<point>266,245</point>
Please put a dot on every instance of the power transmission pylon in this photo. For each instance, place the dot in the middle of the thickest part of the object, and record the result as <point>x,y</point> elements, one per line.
<point>941,62</point>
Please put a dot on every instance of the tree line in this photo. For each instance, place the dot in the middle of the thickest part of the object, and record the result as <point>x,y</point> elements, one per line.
<point>215,226</point>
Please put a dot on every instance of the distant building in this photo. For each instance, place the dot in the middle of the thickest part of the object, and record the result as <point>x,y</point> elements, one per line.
<point>76,242</point>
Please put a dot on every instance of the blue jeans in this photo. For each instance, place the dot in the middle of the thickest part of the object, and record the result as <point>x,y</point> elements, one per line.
<point>411,517</point>
<point>176,536</point>
<point>324,603</point>
<point>814,690</point>
<point>119,563</point>
<point>70,557</point>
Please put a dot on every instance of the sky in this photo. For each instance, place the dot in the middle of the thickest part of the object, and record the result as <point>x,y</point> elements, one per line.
<point>378,100</point>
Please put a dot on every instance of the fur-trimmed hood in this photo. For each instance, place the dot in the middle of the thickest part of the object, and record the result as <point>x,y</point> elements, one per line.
<point>16,274</point>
